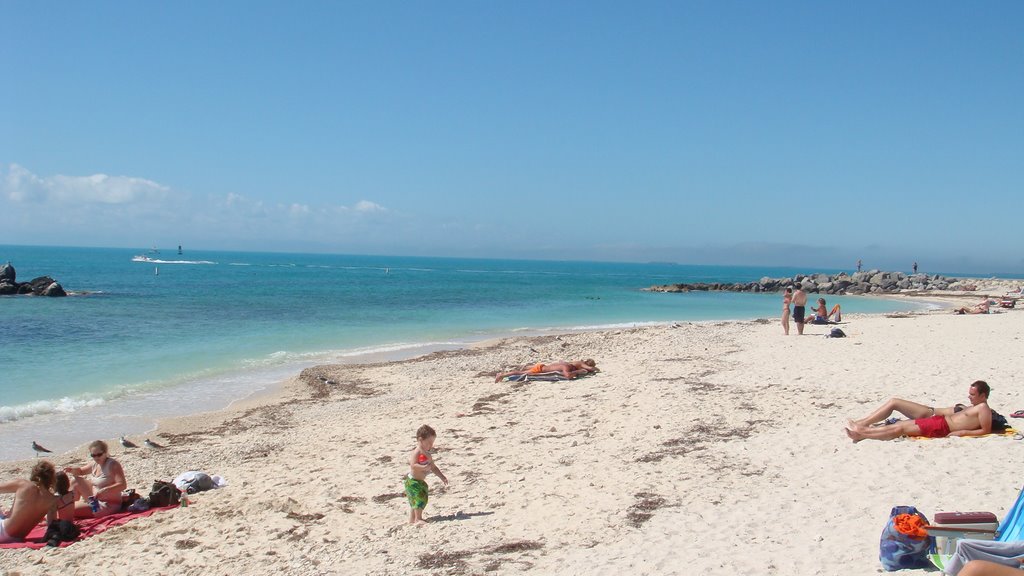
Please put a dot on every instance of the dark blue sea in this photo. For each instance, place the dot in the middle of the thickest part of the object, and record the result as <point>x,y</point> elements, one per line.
<point>186,333</point>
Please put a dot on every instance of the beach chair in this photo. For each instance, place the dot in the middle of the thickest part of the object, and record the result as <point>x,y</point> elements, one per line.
<point>1011,529</point>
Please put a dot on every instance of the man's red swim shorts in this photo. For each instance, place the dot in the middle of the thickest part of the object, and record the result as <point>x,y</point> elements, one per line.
<point>933,427</point>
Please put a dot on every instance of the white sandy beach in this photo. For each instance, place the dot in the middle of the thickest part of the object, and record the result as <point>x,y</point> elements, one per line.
<point>711,448</point>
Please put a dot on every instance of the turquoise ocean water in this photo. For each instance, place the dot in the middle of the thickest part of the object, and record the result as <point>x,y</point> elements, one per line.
<point>188,333</point>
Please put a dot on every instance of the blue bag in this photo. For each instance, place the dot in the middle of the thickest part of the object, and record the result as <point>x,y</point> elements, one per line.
<point>897,550</point>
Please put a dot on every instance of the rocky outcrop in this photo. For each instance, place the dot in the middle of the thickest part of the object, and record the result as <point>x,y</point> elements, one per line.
<point>41,286</point>
<point>870,282</point>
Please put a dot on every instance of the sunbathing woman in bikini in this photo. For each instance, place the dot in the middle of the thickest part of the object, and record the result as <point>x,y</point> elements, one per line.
<point>568,369</point>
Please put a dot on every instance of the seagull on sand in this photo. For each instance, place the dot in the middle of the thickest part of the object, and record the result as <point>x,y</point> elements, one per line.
<point>128,443</point>
<point>39,449</point>
<point>152,444</point>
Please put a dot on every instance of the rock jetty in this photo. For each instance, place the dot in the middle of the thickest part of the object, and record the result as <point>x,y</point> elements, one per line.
<point>870,282</point>
<point>41,286</point>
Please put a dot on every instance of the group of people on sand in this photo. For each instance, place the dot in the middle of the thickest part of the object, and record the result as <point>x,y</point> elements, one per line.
<point>798,299</point>
<point>88,491</point>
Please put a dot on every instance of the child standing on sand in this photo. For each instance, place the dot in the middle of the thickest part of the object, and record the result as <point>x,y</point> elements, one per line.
<point>421,464</point>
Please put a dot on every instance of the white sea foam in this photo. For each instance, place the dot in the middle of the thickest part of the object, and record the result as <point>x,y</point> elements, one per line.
<point>64,405</point>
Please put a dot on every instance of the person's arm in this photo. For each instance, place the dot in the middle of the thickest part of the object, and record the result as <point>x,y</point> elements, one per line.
<point>9,487</point>
<point>51,514</point>
<point>436,470</point>
<point>78,470</point>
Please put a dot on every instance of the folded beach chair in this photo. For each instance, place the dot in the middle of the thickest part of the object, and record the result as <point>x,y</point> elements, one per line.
<point>1011,529</point>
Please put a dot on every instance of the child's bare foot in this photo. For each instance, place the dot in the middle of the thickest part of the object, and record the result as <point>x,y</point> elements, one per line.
<point>420,522</point>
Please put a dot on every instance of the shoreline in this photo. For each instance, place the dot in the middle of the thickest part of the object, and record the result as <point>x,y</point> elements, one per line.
<point>683,432</point>
<point>143,414</point>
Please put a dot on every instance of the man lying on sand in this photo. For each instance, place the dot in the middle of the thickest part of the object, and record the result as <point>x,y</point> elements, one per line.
<point>975,420</point>
<point>568,369</point>
<point>979,308</point>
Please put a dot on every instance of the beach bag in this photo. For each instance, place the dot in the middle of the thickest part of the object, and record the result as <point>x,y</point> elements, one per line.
<point>836,333</point>
<point>61,531</point>
<point>164,494</point>
<point>904,542</point>
<point>999,423</point>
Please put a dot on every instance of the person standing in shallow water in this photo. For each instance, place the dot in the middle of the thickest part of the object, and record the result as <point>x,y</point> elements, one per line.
<point>787,298</point>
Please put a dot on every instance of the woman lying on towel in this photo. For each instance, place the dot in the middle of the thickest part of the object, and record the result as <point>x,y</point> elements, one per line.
<point>568,369</point>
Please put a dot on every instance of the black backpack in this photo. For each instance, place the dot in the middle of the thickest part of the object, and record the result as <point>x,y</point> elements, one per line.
<point>164,494</point>
<point>999,423</point>
<point>61,531</point>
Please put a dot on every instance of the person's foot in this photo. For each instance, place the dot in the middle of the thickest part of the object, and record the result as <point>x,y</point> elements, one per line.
<point>420,522</point>
<point>854,435</point>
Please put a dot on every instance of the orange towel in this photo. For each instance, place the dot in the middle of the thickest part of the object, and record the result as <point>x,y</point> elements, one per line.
<point>910,524</point>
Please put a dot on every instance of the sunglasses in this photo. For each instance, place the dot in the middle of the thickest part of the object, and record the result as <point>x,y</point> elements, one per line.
<point>96,455</point>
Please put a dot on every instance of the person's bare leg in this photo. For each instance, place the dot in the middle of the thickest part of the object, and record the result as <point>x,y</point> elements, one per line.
<point>800,328</point>
<point>785,323</point>
<point>890,432</point>
<point>983,568</point>
<point>837,312</point>
<point>905,407</point>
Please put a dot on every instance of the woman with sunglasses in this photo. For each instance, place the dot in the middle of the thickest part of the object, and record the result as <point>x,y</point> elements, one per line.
<point>103,479</point>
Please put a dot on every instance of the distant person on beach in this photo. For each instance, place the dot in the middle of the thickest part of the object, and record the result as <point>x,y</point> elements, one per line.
<point>799,307</point>
<point>979,308</point>
<point>103,480</point>
<point>823,317</point>
<point>973,420</point>
<point>915,267</point>
<point>33,500</point>
<point>421,464</point>
<point>858,265</point>
<point>787,298</point>
<point>568,369</point>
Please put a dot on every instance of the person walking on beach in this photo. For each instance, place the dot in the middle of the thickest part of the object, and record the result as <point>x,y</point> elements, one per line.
<point>975,420</point>
<point>421,464</point>
<point>799,307</point>
<point>33,500</point>
<point>787,298</point>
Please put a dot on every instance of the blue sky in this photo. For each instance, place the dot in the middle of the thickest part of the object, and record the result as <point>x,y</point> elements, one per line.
<point>801,134</point>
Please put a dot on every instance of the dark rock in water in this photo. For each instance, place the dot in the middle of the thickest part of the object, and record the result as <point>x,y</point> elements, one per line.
<point>869,282</point>
<point>41,286</point>
<point>54,290</point>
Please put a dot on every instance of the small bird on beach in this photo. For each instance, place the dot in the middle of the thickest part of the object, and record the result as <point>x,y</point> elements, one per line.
<point>39,449</point>
<point>128,443</point>
<point>152,444</point>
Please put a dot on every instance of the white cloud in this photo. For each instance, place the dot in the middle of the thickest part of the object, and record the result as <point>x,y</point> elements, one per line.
<point>21,185</point>
<point>367,206</point>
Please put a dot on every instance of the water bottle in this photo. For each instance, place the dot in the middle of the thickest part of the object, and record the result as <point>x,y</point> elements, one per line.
<point>94,504</point>
<point>183,501</point>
